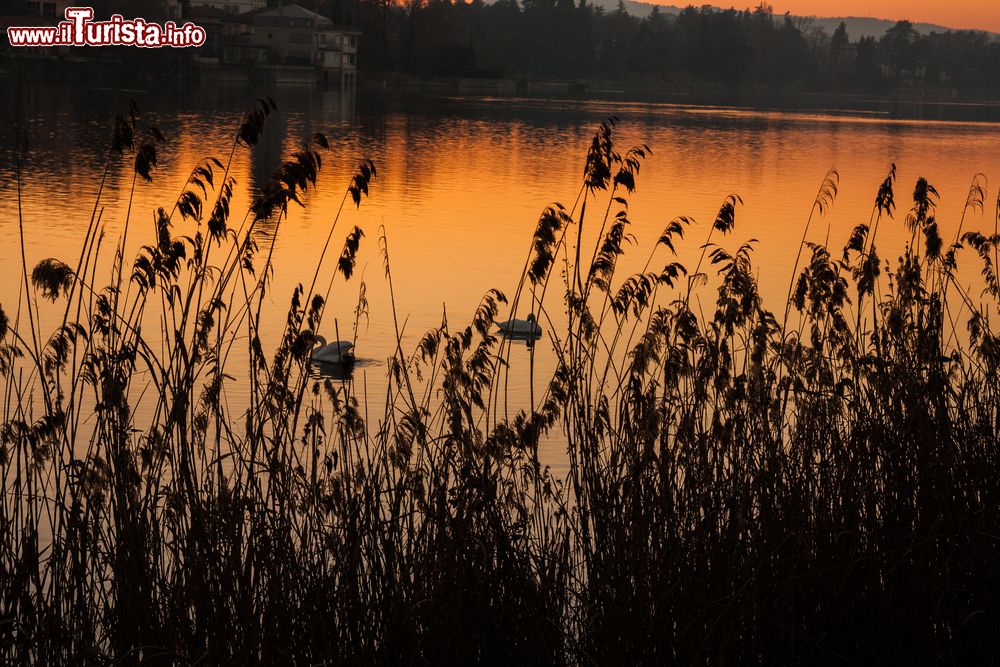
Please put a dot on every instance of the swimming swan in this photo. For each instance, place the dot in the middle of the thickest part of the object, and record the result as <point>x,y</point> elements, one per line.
<point>337,352</point>
<point>528,327</point>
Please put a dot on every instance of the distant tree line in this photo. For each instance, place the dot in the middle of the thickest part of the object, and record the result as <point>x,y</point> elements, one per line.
<point>575,39</point>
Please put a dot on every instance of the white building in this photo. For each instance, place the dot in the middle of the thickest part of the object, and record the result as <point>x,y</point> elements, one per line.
<point>294,35</point>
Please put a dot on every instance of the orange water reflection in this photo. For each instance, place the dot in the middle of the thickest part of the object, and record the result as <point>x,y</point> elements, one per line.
<point>461,183</point>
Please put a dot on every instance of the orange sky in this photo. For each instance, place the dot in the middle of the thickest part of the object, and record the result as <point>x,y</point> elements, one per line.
<point>976,14</point>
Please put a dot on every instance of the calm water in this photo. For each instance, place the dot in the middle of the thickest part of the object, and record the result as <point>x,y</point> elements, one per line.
<point>461,183</point>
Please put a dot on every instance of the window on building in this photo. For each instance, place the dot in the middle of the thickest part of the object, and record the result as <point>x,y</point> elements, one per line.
<point>354,40</point>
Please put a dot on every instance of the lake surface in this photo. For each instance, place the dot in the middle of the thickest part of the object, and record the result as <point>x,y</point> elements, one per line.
<point>461,183</point>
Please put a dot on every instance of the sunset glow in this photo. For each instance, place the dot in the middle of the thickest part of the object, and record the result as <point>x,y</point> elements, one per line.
<point>966,14</point>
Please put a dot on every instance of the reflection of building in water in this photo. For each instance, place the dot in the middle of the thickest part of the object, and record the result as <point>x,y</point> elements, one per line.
<point>302,111</point>
<point>287,43</point>
<point>269,152</point>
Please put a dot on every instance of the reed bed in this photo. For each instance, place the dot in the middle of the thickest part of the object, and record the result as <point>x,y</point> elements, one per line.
<point>742,488</point>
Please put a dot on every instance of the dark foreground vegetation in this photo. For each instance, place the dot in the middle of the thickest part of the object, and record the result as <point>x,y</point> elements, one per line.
<point>817,485</point>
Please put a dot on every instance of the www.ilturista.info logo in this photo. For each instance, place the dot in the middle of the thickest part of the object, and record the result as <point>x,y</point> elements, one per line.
<point>79,29</point>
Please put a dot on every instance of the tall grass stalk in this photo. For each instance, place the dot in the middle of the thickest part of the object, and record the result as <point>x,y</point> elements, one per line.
<point>736,490</point>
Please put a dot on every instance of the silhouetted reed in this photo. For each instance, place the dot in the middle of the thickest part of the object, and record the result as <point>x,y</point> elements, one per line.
<point>739,489</point>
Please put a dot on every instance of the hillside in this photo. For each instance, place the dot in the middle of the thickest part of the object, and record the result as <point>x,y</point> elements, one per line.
<point>857,26</point>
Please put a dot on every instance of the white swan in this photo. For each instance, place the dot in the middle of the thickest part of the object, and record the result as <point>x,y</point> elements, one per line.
<point>528,327</point>
<point>337,352</point>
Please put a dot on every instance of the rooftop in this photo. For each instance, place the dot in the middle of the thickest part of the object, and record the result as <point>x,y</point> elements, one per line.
<point>291,12</point>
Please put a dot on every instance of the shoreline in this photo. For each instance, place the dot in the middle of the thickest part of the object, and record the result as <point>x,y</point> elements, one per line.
<point>904,103</point>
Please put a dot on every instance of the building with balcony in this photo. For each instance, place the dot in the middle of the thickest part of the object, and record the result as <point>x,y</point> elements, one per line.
<point>293,36</point>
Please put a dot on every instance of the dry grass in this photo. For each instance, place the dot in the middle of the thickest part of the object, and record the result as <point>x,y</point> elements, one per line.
<point>740,490</point>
